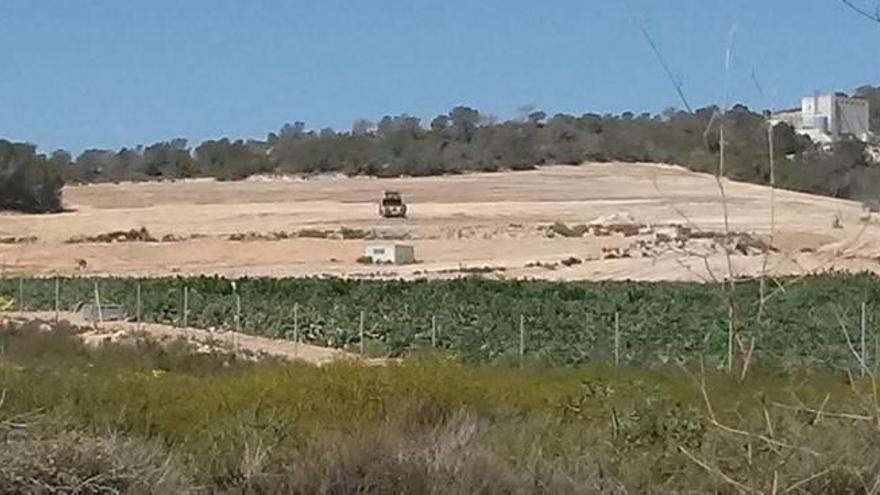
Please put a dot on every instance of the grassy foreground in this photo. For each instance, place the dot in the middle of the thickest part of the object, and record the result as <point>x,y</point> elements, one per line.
<point>142,418</point>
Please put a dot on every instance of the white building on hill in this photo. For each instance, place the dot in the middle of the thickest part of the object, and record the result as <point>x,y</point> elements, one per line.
<point>828,118</point>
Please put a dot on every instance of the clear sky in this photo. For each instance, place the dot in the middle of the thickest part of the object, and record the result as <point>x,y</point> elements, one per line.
<point>111,73</point>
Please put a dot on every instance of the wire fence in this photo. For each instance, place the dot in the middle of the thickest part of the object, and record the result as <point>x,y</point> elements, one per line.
<point>825,322</point>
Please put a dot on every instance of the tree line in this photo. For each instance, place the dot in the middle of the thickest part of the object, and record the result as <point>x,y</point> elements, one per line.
<point>465,140</point>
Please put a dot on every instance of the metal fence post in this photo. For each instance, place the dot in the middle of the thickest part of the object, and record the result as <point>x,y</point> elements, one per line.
<point>361,331</point>
<point>98,304</point>
<point>237,322</point>
<point>185,306</point>
<point>730,338</point>
<point>137,308</point>
<point>296,330</point>
<point>864,347</point>
<point>616,338</point>
<point>57,297</point>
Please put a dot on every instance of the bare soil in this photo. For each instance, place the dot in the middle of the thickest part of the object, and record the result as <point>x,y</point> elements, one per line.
<point>249,346</point>
<point>498,224</point>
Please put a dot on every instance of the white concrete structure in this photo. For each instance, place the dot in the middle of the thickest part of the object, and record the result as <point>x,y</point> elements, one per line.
<point>398,254</point>
<point>829,117</point>
<point>107,312</point>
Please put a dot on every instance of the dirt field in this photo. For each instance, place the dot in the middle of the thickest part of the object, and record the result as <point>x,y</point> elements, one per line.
<point>644,222</point>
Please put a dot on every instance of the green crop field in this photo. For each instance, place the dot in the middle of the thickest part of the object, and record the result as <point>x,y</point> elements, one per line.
<point>479,320</point>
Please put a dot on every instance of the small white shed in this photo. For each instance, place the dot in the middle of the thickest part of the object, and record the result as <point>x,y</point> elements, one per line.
<point>107,312</point>
<point>397,254</point>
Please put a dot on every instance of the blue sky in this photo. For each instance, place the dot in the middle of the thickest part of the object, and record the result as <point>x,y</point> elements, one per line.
<point>111,73</point>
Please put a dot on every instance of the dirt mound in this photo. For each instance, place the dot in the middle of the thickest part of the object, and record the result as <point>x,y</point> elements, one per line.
<point>682,240</point>
<point>261,236</point>
<point>133,235</point>
<point>623,218</point>
<point>850,248</point>
<point>617,223</point>
<point>180,238</point>
<point>343,233</point>
<point>30,239</point>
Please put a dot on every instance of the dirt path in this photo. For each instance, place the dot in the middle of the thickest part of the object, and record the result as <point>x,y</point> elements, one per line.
<point>247,345</point>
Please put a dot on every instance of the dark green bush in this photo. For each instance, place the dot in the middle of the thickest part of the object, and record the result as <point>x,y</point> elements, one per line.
<point>28,182</point>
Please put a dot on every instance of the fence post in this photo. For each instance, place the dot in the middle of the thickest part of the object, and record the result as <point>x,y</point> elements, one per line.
<point>434,331</point>
<point>21,294</point>
<point>57,297</point>
<point>98,304</point>
<point>237,322</point>
<point>296,330</point>
<point>522,338</point>
<point>616,338</point>
<point>137,306</point>
<point>876,349</point>
<point>730,338</point>
<point>864,364</point>
<point>185,306</point>
<point>361,331</point>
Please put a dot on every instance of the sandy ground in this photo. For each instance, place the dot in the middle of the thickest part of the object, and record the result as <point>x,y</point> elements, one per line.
<point>246,345</point>
<point>495,220</point>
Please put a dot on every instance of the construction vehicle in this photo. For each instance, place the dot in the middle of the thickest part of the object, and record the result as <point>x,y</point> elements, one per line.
<point>392,206</point>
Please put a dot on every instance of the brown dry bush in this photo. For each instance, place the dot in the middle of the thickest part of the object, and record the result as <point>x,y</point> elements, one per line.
<point>37,463</point>
<point>453,457</point>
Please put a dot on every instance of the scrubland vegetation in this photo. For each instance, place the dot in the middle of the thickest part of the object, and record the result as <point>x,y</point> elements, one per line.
<point>146,418</point>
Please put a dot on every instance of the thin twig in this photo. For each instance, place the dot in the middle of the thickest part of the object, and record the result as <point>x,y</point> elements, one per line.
<point>720,183</point>
<point>768,245</point>
<point>875,393</point>
<point>806,480</point>
<point>675,82</point>
<point>714,420</point>
<point>715,470</point>
<point>819,412</point>
<point>864,13</point>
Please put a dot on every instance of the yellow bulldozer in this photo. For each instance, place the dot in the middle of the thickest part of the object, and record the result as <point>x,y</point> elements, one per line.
<point>392,206</point>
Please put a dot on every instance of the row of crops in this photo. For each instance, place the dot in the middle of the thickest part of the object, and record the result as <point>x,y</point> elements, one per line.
<point>480,320</point>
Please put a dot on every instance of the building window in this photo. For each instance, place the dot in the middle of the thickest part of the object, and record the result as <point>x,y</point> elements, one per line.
<point>378,250</point>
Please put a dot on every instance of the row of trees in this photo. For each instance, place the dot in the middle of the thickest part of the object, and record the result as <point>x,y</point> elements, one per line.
<point>465,140</point>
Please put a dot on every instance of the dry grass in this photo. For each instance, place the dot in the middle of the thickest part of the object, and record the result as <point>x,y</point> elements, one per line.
<point>33,462</point>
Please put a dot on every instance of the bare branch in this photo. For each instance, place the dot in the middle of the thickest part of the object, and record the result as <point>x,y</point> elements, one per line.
<point>821,412</point>
<point>875,16</point>
<point>714,420</point>
<point>716,471</point>
<point>675,82</point>
<point>849,342</point>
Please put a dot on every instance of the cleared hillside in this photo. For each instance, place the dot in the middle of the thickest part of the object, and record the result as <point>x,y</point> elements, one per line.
<point>633,217</point>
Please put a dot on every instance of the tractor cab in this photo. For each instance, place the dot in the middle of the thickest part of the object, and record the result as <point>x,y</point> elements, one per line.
<point>391,205</point>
